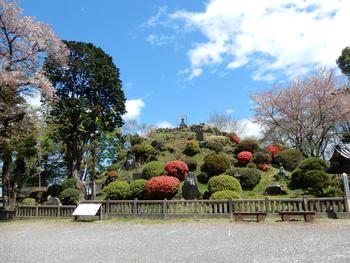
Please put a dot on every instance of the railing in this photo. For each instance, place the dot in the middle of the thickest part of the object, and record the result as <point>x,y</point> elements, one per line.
<point>164,208</point>
<point>46,211</point>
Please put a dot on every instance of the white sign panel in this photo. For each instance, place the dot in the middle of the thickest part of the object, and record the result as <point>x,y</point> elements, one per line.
<point>86,210</point>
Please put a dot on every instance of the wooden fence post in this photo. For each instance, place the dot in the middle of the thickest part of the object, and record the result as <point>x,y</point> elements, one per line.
<point>306,207</point>
<point>58,211</point>
<point>134,206</point>
<point>165,208</point>
<point>107,209</point>
<point>37,211</point>
<point>267,205</point>
<point>230,208</point>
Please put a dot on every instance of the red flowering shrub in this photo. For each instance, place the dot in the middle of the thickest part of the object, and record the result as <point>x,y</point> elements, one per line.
<point>244,157</point>
<point>234,138</point>
<point>163,186</point>
<point>178,169</point>
<point>274,148</point>
<point>264,167</point>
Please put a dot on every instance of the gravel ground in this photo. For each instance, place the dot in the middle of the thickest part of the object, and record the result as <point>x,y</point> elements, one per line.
<point>209,241</point>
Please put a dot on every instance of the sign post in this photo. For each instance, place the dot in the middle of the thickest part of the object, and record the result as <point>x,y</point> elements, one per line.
<point>347,192</point>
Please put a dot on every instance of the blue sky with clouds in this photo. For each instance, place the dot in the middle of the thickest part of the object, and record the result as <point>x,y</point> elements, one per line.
<point>199,57</point>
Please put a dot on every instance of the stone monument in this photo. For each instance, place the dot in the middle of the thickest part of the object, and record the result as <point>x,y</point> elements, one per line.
<point>190,188</point>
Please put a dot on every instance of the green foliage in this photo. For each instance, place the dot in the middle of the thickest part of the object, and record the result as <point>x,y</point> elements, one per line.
<point>289,158</point>
<point>142,151</point>
<point>119,190</point>
<point>344,61</point>
<point>203,178</point>
<point>225,195</point>
<point>224,182</point>
<point>138,188</point>
<point>261,158</point>
<point>251,165</point>
<point>248,177</point>
<point>192,148</point>
<point>248,145</point>
<point>54,190</point>
<point>136,139</point>
<point>69,183</point>
<point>215,146</point>
<point>152,169</point>
<point>90,98</point>
<point>317,182</point>
<point>111,176</point>
<point>71,196</point>
<point>39,196</point>
<point>28,201</point>
<point>215,164</point>
<point>191,163</point>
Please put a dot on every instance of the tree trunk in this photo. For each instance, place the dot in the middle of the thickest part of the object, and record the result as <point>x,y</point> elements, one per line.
<point>6,187</point>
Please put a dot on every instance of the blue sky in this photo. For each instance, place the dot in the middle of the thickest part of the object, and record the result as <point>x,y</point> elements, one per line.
<point>199,57</point>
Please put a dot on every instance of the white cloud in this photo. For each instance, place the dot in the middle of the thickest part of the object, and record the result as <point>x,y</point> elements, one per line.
<point>230,111</point>
<point>165,125</point>
<point>159,40</point>
<point>249,129</point>
<point>133,109</point>
<point>285,36</point>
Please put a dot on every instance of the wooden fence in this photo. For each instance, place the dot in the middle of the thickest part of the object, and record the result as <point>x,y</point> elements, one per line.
<point>184,208</point>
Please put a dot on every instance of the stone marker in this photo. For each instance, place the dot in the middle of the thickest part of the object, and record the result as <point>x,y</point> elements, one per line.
<point>52,200</point>
<point>281,174</point>
<point>130,162</point>
<point>199,132</point>
<point>273,190</point>
<point>190,188</point>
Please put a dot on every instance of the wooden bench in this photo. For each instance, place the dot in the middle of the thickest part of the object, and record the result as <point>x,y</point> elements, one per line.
<point>308,215</point>
<point>260,216</point>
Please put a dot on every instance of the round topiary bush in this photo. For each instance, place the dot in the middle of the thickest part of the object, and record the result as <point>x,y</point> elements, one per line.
<point>54,190</point>
<point>247,145</point>
<point>71,196</point>
<point>225,195</point>
<point>152,169</point>
<point>264,166</point>
<point>317,182</point>
<point>274,148</point>
<point>192,148</point>
<point>215,164</point>
<point>224,182</point>
<point>142,151</point>
<point>248,177</point>
<point>215,146</point>
<point>28,201</point>
<point>111,176</point>
<point>69,183</point>
<point>178,169</point>
<point>191,163</point>
<point>234,138</point>
<point>138,188</point>
<point>203,178</point>
<point>289,158</point>
<point>261,158</point>
<point>119,190</point>
<point>161,187</point>
<point>244,157</point>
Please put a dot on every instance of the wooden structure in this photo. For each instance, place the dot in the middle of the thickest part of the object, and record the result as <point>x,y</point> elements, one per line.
<point>340,160</point>
<point>308,215</point>
<point>260,216</point>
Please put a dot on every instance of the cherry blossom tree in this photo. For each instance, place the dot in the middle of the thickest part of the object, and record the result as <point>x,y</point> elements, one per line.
<point>24,43</point>
<point>305,113</point>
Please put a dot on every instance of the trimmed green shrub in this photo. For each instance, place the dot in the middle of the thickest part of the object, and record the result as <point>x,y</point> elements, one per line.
<point>191,163</point>
<point>203,178</point>
<point>69,183</point>
<point>261,158</point>
<point>28,201</point>
<point>251,165</point>
<point>136,139</point>
<point>192,148</point>
<point>138,188</point>
<point>225,195</point>
<point>119,190</point>
<point>215,146</point>
<point>215,164</point>
<point>142,151</point>
<point>289,158</point>
<point>248,177</point>
<point>39,196</point>
<point>54,190</point>
<point>224,182</point>
<point>152,169</point>
<point>248,145</point>
<point>71,196</point>
<point>159,145</point>
<point>317,182</point>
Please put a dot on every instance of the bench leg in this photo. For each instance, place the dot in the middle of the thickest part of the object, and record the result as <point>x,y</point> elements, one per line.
<point>285,217</point>
<point>309,218</point>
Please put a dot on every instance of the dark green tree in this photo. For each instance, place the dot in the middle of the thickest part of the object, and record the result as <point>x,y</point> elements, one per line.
<point>344,61</point>
<point>90,99</point>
